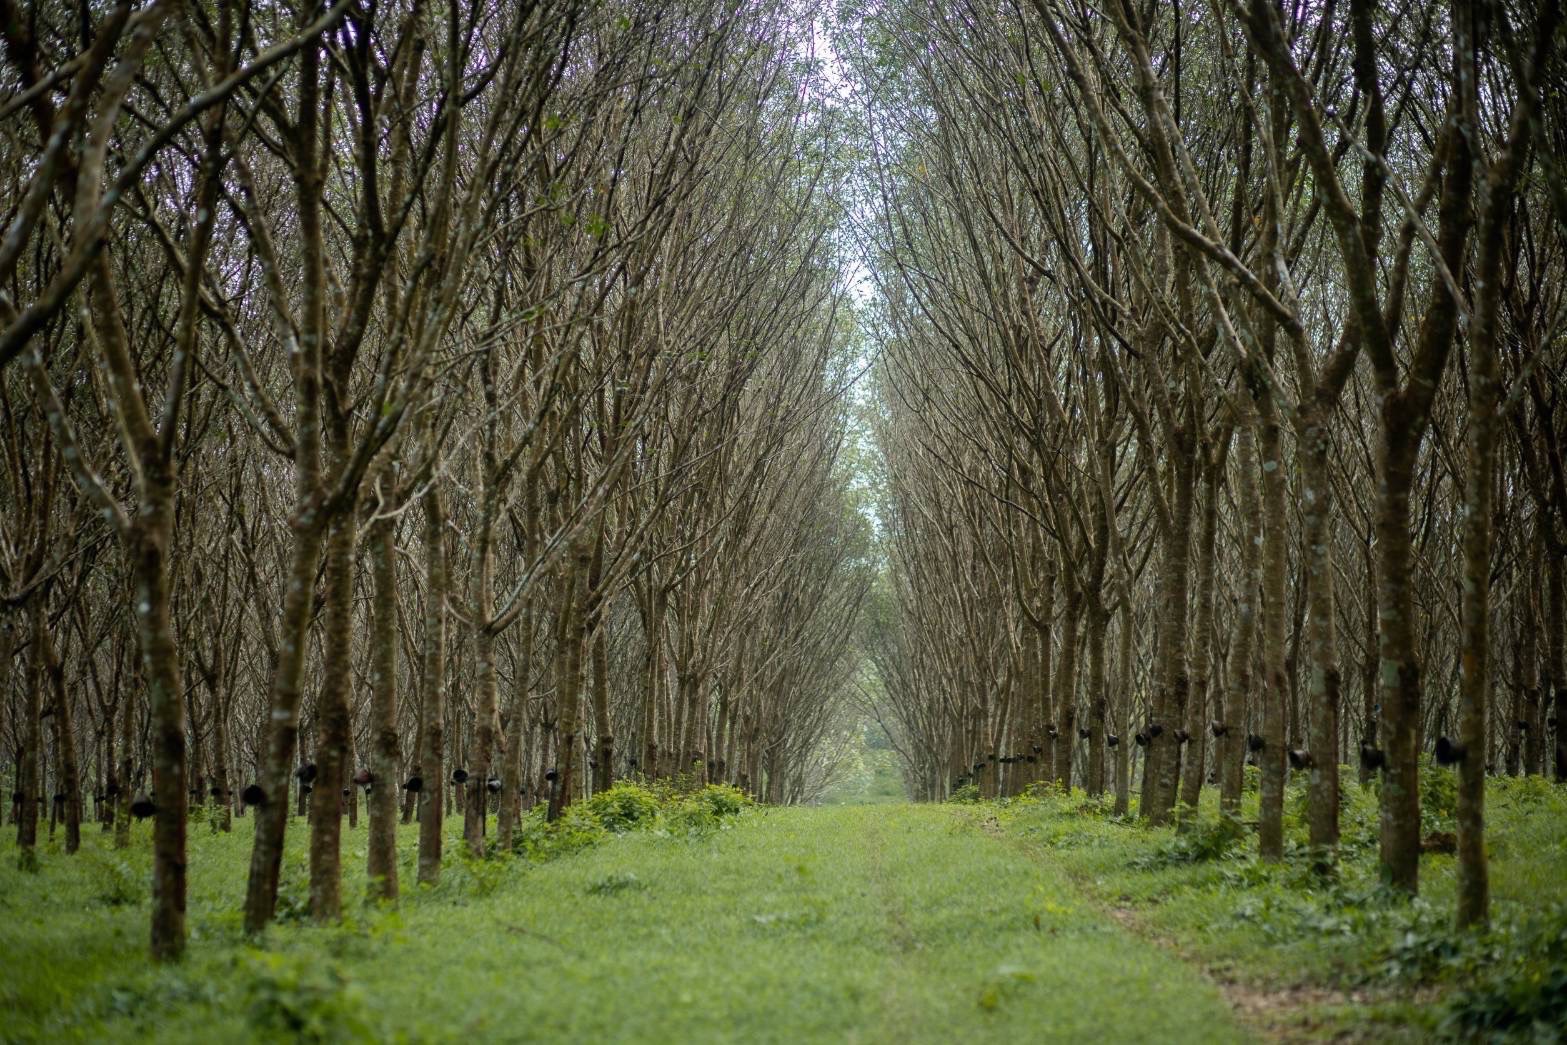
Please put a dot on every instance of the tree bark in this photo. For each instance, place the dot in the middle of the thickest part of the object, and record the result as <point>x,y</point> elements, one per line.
<point>385,744</point>
<point>1275,540</point>
<point>333,725</point>
<point>1194,764</point>
<point>432,758</point>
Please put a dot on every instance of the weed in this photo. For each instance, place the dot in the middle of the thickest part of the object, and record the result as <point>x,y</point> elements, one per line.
<point>965,795</point>
<point>115,882</point>
<point>624,807</point>
<point>1213,838</point>
<point>304,1000</point>
<point>616,882</point>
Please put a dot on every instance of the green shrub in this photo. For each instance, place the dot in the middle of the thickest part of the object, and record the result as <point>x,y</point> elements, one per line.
<point>1208,839</point>
<point>539,840</point>
<point>722,800</point>
<point>1526,792</point>
<point>624,807</point>
<point>1518,987</point>
<point>1438,797</point>
<point>967,794</point>
<point>115,882</point>
<point>303,999</point>
<point>293,890</point>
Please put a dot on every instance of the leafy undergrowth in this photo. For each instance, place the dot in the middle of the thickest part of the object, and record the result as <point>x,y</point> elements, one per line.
<point>1334,950</point>
<point>643,917</point>
<point>72,936</point>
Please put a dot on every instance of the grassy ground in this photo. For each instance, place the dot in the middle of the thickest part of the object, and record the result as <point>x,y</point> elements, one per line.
<point>874,924</point>
<point>1307,955</point>
<point>1029,920</point>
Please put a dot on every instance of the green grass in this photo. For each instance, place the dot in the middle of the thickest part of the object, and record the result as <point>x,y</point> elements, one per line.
<point>868,924</point>
<point>1362,960</point>
<point>1029,920</point>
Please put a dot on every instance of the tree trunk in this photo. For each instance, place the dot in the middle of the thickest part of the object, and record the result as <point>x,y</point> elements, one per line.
<point>514,779</point>
<point>122,803</point>
<point>1554,688</point>
<point>1066,691</point>
<point>70,782</point>
<point>27,783</point>
<point>333,725</point>
<point>604,769</point>
<point>1123,722</point>
<point>568,676</point>
<point>432,758</point>
<point>1399,681</point>
<point>1323,686</point>
<point>486,713</point>
<point>150,539</point>
<point>1275,541</point>
<point>222,790</point>
<point>1173,681</point>
<point>1195,760</point>
<point>1098,619</point>
<point>1233,720</point>
<point>385,744</point>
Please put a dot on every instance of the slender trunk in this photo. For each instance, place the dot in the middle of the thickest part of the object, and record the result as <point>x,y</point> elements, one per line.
<point>1066,691</point>
<point>122,801</point>
<point>653,668</point>
<point>283,735</point>
<point>1323,687</point>
<point>1173,682</point>
<point>1368,668</point>
<point>149,542</point>
<point>222,791</point>
<point>385,744</point>
<point>1098,619</point>
<point>1474,895</point>
<point>604,766</point>
<point>432,764</point>
<point>1399,682</point>
<point>486,713</point>
<point>1045,708</point>
<point>333,725</point>
<point>1275,540</point>
<point>1554,689</point>
<point>266,854</point>
<point>27,784</point>
<point>513,777</point>
<point>70,782</point>
<point>1232,719</point>
<point>602,763</point>
<point>1202,648</point>
<point>568,679</point>
<point>1526,667</point>
<point>1123,714</point>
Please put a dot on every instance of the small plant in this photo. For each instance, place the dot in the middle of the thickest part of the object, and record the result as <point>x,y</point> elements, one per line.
<point>968,794</point>
<point>617,882</point>
<point>538,839</point>
<point>1205,840</point>
<point>303,1000</point>
<point>1438,797</point>
<point>624,807</point>
<point>477,875</point>
<point>1517,989</point>
<point>722,800</point>
<point>1004,981</point>
<point>115,882</point>
<point>293,892</point>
